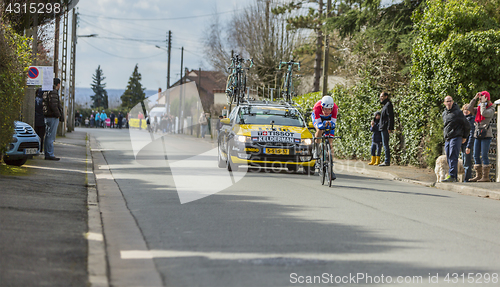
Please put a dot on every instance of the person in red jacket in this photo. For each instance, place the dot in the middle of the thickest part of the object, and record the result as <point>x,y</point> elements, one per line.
<point>324,117</point>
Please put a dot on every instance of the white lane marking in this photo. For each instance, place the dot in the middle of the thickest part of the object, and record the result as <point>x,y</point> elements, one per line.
<point>104,166</point>
<point>58,169</point>
<point>150,254</point>
<point>94,236</point>
<point>104,176</point>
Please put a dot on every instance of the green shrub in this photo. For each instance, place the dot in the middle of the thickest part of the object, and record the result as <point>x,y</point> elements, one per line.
<point>456,53</point>
<point>14,62</point>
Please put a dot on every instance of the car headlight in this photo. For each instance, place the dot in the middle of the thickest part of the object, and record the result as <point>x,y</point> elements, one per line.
<point>242,139</point>
<point>306,141</point>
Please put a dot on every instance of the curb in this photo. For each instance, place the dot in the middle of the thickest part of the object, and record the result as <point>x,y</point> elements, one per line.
<point>96,263</point>
<point>120,229</point>
<point>458,188</point>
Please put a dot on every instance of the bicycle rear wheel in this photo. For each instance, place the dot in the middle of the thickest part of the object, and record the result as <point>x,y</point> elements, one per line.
<point>329,165</point>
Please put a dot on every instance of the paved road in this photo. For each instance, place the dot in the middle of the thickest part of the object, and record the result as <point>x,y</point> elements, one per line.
<point>269,229</point>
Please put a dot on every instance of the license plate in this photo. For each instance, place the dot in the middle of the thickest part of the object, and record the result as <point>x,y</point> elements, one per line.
<point>30,151</point>
<point>277,151</point>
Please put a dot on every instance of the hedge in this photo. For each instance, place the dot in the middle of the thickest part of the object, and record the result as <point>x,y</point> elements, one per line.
<point>15,58</point>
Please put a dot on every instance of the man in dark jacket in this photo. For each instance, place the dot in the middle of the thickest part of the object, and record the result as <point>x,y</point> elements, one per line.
<point>456,130</point>
<point>52,110</point>
<point>386,125</point>
<point>112,120</point>
<point>120,120</point>
<point>39,118</point>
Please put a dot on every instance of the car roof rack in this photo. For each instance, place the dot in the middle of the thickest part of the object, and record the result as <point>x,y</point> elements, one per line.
<point>269,103</point>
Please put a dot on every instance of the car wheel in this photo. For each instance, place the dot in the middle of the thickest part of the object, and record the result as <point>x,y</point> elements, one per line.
<point>229,164</point>
<point>310,170</point>
<point>220,162</point>
<point>15,162</point>
<point>292,167</point>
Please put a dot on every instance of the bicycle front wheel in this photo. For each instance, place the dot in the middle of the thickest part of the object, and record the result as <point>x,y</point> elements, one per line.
<point>321,169</point>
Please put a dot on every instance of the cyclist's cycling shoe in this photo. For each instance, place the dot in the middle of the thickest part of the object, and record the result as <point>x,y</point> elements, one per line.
<point>334,177</point>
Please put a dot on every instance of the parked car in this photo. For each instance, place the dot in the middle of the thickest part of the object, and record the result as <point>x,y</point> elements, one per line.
<point>25,144</point>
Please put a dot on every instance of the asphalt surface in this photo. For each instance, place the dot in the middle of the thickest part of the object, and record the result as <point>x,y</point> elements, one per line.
<point>43,219</point>
<point>170,217</point>
<point>270,228</point>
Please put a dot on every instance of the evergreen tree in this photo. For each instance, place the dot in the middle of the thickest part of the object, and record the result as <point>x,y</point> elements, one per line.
<point>313,20</point>
<point>100,97</point>
<point>134,93</point>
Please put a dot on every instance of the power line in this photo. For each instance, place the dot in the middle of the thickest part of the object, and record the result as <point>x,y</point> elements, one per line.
<point>130,58</point>
<point>88,23</point>
<point>193,53</point>
<point>130,39</point>
<point>193,41</point>
<point>133,26</point>
<point>161,19</point>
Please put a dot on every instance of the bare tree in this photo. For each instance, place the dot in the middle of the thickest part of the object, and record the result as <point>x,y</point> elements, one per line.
<point>254,33</point>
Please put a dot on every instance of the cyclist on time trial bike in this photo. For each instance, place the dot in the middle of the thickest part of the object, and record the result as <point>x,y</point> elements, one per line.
<point>324,115</point>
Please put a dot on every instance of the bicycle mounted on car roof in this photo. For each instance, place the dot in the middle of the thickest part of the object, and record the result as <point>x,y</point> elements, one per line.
<point>288,91</point>
<point>237,81</point>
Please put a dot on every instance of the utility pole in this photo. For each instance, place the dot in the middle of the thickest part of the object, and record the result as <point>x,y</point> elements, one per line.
<point>199,87</point>
<point>198,104</point>
<point>28,106</point>
<point>61,129</point>
<point>325,61</point>
<point>319,52</point>
<point>181,122</point>
<point>169,47</point>
<point>56,47</point>
<point>71,106</point>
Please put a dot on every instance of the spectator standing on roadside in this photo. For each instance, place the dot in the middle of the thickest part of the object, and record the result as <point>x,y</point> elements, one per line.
<point>92,120</point>
<point>376,148</point>
<point>120,120</point>
<point>170,123</point>
<point>86,122</point>
<point>112,120</point>
<point>469,144</point>
<point>140,116</point>
<point>485,112</point>
<point>163,124</point>
<point>52,110</point>
<point>103,118</point>
<point>456,130</point>
<point>203,124</point>
<point>219,124</point>
<point>78,119</point>
<point>386,125</point>
<point>39,118</point>
<point>97,119</point>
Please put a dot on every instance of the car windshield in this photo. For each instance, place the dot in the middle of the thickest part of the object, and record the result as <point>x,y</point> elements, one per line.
<point>264,116</point>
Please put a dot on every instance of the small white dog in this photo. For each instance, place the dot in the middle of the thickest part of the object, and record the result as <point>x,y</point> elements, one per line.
<point>442,169</point>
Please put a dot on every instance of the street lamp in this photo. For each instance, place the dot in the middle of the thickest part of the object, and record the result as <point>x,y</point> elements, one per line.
<point>86,36</point>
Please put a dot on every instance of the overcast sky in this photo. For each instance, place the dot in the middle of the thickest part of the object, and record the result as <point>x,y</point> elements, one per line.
<point>129,30</point>
<point>122,43</point>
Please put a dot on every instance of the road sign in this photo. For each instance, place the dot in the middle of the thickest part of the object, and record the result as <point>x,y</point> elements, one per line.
<point>41,76</point>
<point>33,73</point>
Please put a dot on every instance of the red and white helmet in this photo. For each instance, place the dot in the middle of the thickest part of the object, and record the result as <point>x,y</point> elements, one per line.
<point>327,102</point>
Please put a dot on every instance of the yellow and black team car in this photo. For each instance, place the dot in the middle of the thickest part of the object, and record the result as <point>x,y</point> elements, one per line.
<point>265,134</point>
